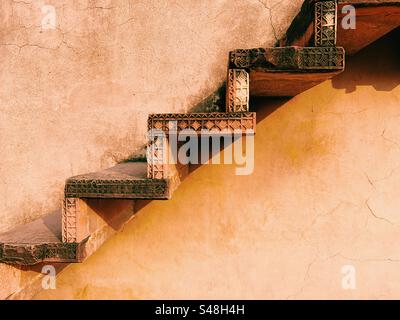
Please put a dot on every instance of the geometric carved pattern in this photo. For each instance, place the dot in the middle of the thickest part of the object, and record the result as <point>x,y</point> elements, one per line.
<point>244,58</point>
<point>207,123</point>
<point>289,59</point>
<point>322,58</point>
<point>36,253</point>
<point>57,250</point>
<point>69,219</point>
<point>237,98</point>
<point>116,189</point>
<point>157,152</point>
<point>325,24</point>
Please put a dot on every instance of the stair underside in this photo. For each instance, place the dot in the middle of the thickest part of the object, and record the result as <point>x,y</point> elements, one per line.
<point>287,71</point>
<point>374,19</point>
<point>373,22</point>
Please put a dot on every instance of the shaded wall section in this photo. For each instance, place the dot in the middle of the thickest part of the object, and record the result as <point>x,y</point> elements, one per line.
<point>324,194</point>
<point>75,98</point>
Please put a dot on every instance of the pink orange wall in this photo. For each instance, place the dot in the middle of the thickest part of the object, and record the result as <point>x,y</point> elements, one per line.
<point>75,98</point>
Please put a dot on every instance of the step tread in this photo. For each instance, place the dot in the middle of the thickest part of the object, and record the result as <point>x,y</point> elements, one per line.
<point>40,241</point>
<point>130,171</point>
<point>287,71</point>
<point>36,242</point>
<point>39,231</point>
<point>123,181</point>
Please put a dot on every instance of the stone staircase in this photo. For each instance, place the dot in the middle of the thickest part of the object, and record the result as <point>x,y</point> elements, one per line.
<point>96,205</point>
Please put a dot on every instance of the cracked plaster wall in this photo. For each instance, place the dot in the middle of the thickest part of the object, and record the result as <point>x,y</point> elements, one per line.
<point>324,194</point>
<point>75,99</point>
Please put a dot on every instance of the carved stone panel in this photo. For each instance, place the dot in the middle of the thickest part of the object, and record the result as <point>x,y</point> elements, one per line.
<point>25,254</point>
<point>203,123</point>
<point>237,93</point>
<point>325,25</point>
<point>322,58</point>
<point>157,152</point>
<point>70,208</point>
<point>245,58</point>
<point>291,59</point>
<point>75,221</point>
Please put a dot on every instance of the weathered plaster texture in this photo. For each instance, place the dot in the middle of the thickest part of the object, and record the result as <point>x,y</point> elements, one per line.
<point>75,98</point>
<point>324,194</point>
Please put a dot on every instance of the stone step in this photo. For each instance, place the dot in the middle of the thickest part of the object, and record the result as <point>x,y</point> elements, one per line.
<point>286,71</point>
<point>40,241</point>
<point>162,126</point>
<point>374,19</point>
<point>36,242</point>
<point>128,181</point>
<point>123,181</point>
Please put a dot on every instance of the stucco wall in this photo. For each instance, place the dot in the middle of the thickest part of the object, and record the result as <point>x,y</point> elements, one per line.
<point>75,98</point>
<point>324,194</point>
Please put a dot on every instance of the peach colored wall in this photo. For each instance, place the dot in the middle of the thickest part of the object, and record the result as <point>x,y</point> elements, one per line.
<point>76,98</point>
<point>324,194</point>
